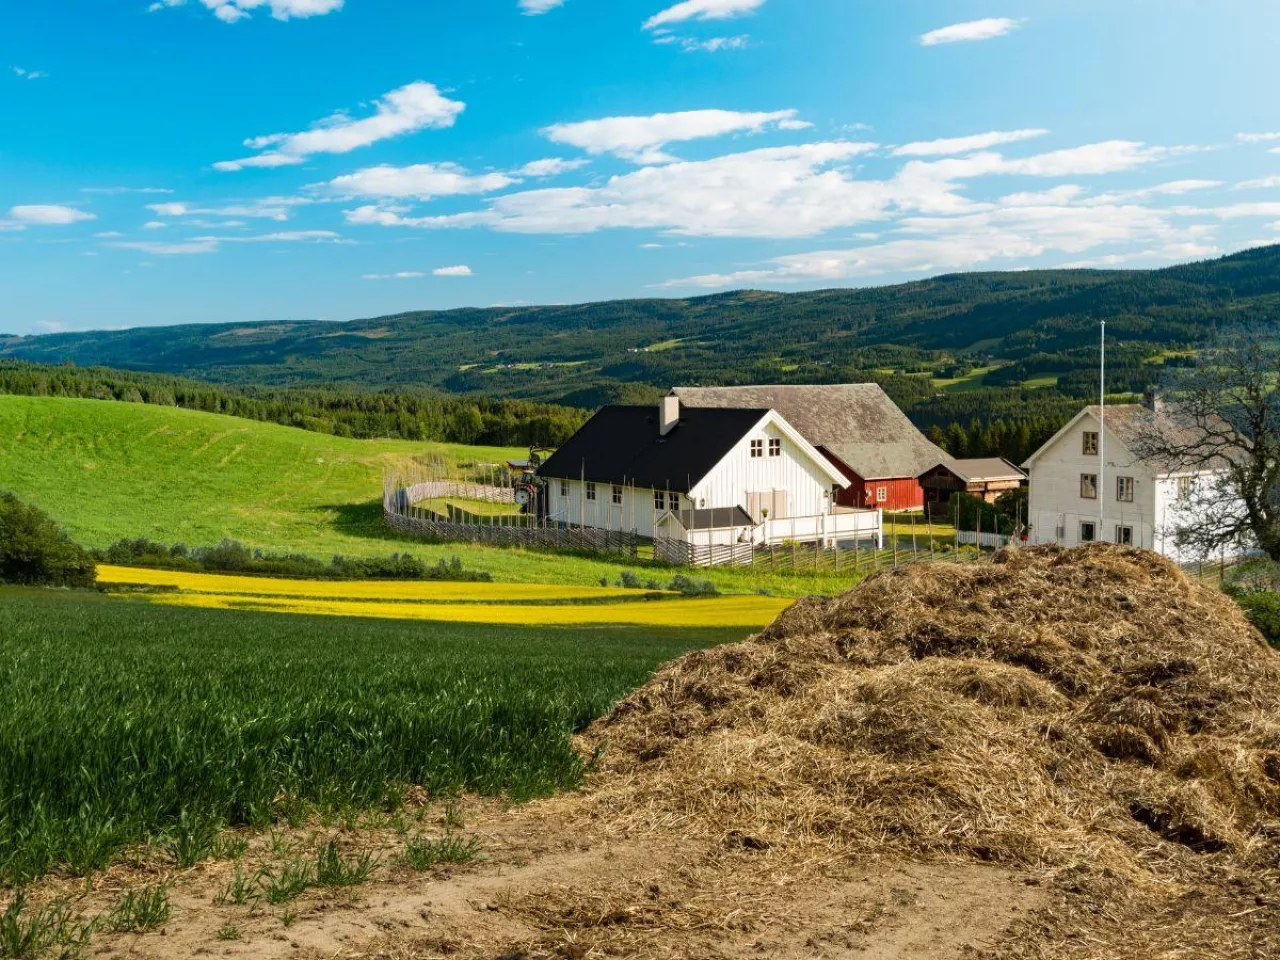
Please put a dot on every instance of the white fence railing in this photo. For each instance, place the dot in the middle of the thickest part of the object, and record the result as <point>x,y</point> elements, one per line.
<point>828,529</point>
<point>994,540</point>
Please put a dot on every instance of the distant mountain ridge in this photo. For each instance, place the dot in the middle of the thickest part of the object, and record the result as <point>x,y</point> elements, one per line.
<point>588,353</point>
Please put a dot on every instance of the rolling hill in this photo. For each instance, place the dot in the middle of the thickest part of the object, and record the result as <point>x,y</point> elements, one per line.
<point>1040,324</point>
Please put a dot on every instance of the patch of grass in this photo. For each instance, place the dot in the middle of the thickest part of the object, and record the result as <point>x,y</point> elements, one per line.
<point>242,889</point>
<point>123,720</point>
<point>228,933</point>
<point>141,910</point>
<point>334,870</point>
<point>29,934</point>
<point>287,883</point>
<point>424,853</point>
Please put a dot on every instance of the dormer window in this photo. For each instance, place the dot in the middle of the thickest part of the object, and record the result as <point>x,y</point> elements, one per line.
<point>775,447</point>
<point>757,449</point>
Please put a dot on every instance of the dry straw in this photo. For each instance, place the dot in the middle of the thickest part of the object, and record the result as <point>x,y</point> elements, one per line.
<point>1091,718</point>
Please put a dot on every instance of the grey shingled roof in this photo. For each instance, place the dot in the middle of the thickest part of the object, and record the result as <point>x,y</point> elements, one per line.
<point>856,423</point>
<point>985,469</point>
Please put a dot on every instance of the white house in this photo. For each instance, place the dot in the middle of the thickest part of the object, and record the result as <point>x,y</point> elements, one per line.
<point>1082,490</point>
<point>703,474</point>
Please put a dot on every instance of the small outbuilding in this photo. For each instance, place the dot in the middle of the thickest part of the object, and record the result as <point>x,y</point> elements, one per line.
<point>985,478</point>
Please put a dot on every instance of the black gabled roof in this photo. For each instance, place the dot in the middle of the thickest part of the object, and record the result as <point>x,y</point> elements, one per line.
<point>622,445</point>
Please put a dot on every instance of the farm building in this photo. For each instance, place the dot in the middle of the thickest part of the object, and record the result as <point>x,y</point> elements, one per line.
<point>1135,503</point>
<point>985,478</point>
<point>855,426</point>
<point>703,475</point>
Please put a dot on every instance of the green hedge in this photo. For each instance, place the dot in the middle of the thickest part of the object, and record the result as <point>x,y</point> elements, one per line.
<point>34,550</point>
<point>1263,609</point>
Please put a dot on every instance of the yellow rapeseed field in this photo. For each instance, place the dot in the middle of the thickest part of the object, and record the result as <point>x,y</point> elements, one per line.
<point>421,591</point>
<point>747,612</point>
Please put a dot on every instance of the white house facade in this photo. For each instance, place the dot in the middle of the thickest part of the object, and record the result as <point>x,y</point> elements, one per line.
<point>651,471</point>
<point>1087,485</point>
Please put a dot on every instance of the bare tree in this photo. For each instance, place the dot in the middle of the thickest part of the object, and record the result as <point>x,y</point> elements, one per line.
<point>1220,420</point>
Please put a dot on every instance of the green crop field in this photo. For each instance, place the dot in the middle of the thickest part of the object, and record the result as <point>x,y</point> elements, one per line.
<point>108,471</point>
<point>124,722</point>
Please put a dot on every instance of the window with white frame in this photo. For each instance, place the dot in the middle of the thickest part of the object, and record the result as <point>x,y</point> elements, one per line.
<point>1088,486</point>
<point>757,449</point>
<point>1124,536</point>
<point>882,494</point>
<point>617,495</point>
<point>775,447</point>
<point>591,491</point>
<point>660,500</point>
<point>1186,486</point>
<point>1088,532</point>
<point>1090,445</point>
<point>1124,489</point>
<point>564,488</point>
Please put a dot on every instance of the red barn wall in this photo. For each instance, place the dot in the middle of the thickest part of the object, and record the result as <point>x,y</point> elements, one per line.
<point>903,493</point>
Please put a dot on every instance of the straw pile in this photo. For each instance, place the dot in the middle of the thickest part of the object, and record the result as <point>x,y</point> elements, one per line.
<point>1091,718</point>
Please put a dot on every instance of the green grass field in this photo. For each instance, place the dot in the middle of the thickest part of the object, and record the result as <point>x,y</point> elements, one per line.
<point>125,722</point>
<point>108,471</point>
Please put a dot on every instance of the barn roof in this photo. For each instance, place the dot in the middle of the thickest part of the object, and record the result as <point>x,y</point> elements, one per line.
<point>983,470</point>
<point>622,445</point>
<point>855,422</point>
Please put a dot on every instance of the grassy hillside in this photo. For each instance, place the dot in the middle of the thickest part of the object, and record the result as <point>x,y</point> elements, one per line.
<point>109,470</point>
<point>1038,323</point>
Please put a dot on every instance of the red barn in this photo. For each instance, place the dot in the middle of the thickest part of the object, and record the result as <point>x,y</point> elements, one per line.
<point>855,425</point>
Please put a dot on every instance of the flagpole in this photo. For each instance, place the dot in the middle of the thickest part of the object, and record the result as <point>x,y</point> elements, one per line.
<point>1102,434</point>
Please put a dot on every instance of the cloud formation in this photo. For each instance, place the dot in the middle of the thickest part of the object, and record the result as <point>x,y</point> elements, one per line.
<point>402,275</point>
<point>416,106</point>
<point>268,208</point>
<point>46,215</point>
<point>702,10</point>
<point>954,145</point>
<point>423,181</point>
<point>29,74</point>
<point>203,245</point>
<point>230,11</point>
<point>534,8</point>
<point>643,139</point>
<point>459,271</point>
<point>970,31</point>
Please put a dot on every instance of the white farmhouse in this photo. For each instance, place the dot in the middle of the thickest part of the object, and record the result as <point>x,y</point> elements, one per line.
<point>1077,498</point>
<point>708,475</point>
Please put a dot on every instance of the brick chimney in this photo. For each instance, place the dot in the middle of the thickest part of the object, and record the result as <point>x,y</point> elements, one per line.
<point>1152,400</point>
<point>668,415</point>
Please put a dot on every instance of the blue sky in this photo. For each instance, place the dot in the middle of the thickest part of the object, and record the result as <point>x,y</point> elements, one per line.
<point>230,160</point>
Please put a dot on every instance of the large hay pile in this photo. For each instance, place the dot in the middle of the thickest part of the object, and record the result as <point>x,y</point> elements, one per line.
<point>1091,717</point>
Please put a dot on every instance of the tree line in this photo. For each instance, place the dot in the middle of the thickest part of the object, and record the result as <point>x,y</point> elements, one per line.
<point>341,412</point>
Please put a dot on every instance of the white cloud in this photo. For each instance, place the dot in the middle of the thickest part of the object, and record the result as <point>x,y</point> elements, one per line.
<point>970,31</point>
<point>702,10</point>
<point>1257,137</point>
<point>551,167</point>
<point>202,245</point>
<point>121,191</point>
<point>712,45</point>
<point>154,225</point>
<point>954,145</point>
<point>1175,188</point>
<point>458,271</point>
<point>230,11</point>
<point>1266,183</point>
<point>416,106</point>
<point>402,275</point>
<point>29,74</point>
<point>533,8</point>
<point>422,181</point>
<point>51,326</point>
<point>642,139</point>
<point>268,208</point>
<point>47,215</point>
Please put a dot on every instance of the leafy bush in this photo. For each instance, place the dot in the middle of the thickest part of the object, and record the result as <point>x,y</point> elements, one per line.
<point>630,580</point>
<point>34,550</point>
<point>692,588</point>
<point>230,556</point>
<point>1263,610</point>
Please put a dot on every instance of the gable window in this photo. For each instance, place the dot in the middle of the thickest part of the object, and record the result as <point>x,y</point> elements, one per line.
<point>757,449</point>
<point>1090,445</point>
<point>1088,486</point>
<point>775,447</point>
<point>1088,532</point>
<point>882,494</point>
<point>564,488</point>
<point>1124,490</point>
<point>1185,487</point>
<point>1124,536</point>
<point>591,491</point>
<point>659,500</point>
<point>617,494</point>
